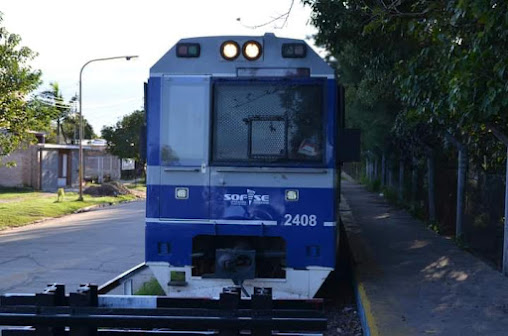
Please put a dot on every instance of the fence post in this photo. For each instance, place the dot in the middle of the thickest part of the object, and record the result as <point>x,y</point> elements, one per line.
<point>101,168</point>
<point>390,174</point>
<point>53,295</point>
<point>401,180</point>
<point>430,183</point>
<point>504,139</point>
<point>414,181</point>
<point>85,296</point>
<point>505,239</point>
<point>461,184</point>
<point>383,169</point>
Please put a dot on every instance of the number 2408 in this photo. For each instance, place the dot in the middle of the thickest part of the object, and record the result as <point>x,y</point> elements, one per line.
<point>300,220</point>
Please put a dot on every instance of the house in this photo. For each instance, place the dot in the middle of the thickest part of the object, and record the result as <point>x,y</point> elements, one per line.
<point>47,167</point>
<point>100,166</point>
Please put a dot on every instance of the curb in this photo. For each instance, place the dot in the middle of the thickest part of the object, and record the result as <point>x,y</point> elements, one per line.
<point>93,207</point>
<point>364,309</point>
<point>363,304</point>
<point>103,205</point>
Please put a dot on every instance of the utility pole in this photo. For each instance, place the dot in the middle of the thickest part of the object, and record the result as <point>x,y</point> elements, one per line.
<point>81,158</point>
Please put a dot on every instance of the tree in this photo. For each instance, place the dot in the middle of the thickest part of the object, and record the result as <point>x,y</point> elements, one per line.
<point>59,109</point>
<point>364,66</point>
<point>439,67</point>
<point>124,138</point>
<point>18,114</point>
<point>67,121</point>
<point>70,127</point>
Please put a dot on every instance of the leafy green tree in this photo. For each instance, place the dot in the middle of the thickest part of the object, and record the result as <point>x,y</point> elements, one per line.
<point>124,137</point>
<point>67,122</point>
<point>18,114</point>
<point>70,128</point>
<point>364,61</point>
<point>457,80</point>
<point>57,107</point>
<point>421,68</point>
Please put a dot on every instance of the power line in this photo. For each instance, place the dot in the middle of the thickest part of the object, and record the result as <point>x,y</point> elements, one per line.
<point>53,104</point>
<point>119,102</point>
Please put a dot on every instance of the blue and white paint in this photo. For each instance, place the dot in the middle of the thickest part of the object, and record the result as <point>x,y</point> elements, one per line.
<point>189,193</point>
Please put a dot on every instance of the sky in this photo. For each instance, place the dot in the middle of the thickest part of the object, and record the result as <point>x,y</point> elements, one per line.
<point>68,33</point>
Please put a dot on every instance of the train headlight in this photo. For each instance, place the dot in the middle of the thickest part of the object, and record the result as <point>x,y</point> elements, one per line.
<point>291,195</point>
<point>229,50</point>
<point>182,193</point>
<point>252,50</point>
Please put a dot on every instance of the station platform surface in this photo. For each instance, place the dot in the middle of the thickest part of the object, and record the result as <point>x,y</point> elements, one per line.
<point>411,281</point>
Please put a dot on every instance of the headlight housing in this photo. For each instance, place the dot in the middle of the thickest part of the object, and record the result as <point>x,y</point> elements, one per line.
<point>229,50</point>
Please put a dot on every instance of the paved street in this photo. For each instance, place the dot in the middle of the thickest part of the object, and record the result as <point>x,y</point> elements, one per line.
<point>88,247</point>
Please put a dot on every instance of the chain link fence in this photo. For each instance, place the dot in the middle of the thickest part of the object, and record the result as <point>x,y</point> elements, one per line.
<point>407,184</point>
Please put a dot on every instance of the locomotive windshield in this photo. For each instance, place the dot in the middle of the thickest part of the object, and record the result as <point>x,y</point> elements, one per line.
<point>267,122</point>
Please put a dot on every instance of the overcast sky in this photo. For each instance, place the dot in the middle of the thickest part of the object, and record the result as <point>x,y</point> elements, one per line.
<point>68,33</point>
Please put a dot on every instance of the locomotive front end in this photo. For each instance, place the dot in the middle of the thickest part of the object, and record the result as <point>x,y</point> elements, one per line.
<point>242,178</point>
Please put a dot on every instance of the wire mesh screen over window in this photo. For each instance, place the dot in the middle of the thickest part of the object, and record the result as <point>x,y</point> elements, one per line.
<point>268,122</point>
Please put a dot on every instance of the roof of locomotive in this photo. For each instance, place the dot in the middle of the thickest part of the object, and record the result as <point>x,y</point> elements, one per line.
<point>210,61</point>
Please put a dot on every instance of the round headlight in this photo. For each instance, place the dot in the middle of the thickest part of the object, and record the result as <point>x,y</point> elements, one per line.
<point>229,50</point>
<point>252,50</point>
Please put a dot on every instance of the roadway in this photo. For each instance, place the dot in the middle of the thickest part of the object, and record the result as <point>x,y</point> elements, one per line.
<point>90,247</point>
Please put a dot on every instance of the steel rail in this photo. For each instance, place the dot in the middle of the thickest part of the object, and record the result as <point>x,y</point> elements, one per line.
<point>117,281</point>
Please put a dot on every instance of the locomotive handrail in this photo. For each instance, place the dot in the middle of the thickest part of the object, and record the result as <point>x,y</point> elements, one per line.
<point>270,170</point>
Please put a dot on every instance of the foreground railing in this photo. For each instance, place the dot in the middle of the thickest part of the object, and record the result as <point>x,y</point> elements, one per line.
<point>85,313</point>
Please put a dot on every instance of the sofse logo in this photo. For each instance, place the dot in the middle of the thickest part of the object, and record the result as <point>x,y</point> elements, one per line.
<point>249,198</point>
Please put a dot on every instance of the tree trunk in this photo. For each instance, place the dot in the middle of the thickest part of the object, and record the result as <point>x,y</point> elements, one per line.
<point>57,130</point>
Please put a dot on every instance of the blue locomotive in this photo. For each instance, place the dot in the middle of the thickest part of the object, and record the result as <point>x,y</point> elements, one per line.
<point>242,177</point>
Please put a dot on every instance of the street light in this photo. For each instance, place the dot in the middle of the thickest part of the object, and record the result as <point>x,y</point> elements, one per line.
<point>81,164</point>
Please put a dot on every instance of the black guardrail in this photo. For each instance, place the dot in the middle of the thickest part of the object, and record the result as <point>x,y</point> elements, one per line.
<point>85,313</point>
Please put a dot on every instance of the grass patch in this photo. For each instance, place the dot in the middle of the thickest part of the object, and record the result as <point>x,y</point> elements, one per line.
<point>7,193</point>
<point>32,206</point>
<point>138,187</point>
<point>151,287</point>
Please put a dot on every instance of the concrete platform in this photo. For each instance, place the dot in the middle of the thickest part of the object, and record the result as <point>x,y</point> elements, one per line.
<point>411,281</point>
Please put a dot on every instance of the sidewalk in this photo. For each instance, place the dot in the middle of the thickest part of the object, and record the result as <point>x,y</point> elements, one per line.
<point>411,281</point>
